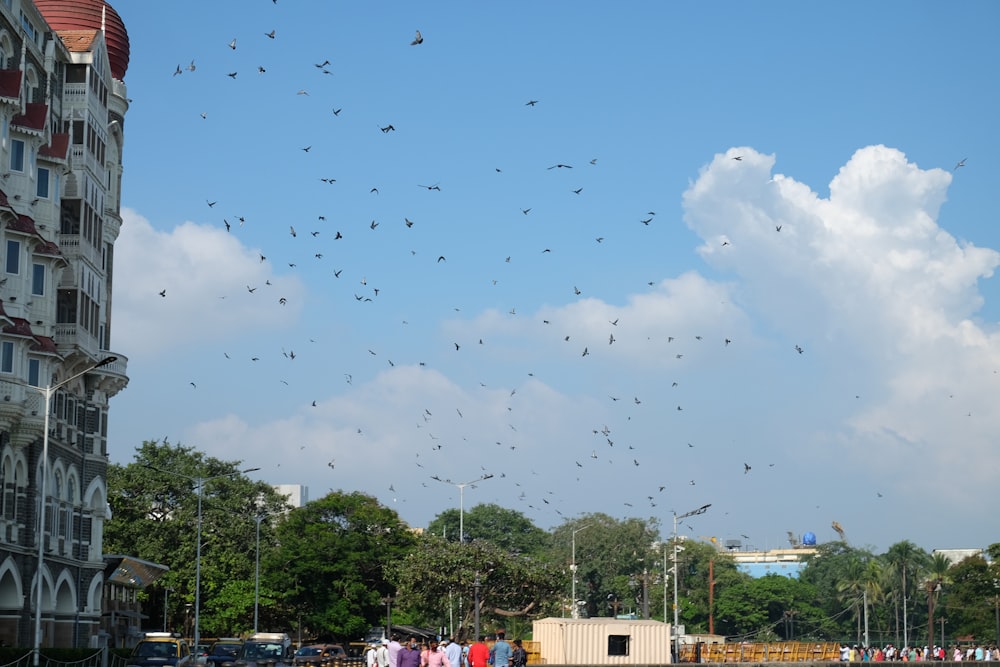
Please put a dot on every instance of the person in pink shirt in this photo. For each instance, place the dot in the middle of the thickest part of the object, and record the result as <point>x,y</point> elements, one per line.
<point>436,658</point>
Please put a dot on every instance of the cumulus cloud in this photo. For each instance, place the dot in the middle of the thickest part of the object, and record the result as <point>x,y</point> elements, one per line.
<point>871,281</point>
<point>187,264</point>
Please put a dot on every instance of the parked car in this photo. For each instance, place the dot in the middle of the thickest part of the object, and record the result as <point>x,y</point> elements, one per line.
<point>318,655</point>
<point>223,651</point>
<point>161,649</point>
<point>263,653</point>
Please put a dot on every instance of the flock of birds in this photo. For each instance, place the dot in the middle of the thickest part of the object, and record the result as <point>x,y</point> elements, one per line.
<point>442,441</point>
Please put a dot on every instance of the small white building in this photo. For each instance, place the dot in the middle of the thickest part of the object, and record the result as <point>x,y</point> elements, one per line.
<point>602,641</point>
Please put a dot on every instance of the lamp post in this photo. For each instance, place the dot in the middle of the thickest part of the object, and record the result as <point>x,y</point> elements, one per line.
<point>575,612</point>
<point>199,483</point>
<point>47,392</point>
<point>461,500</point>
<point>677,519</point>
<point>256,584</point>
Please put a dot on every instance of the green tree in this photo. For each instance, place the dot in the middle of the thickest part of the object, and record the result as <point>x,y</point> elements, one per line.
<point>764,609</point>
<point>439,575</point>
<point>329,565</point>
<point>907,561</point>
<point>508,529</point>
<point>973,597</point>
<point>611,555</point>
<point>154,508</point>
<point>838,574</point>
<point>937,578</point>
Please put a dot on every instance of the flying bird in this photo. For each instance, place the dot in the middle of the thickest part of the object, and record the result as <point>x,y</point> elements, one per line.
<point>746,468</point>
<point>419,39</point>
<point>531,103</point>
<point>561,166</point>
<point>269,34</point>
<point>960,163</point>
<point>232,44</point>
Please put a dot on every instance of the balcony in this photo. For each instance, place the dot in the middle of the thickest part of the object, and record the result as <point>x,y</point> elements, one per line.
<point>74,247</point>
<point>75,337</point>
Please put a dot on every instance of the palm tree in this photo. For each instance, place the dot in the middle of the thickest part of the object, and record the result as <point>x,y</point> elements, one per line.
<point>937,576</point>
<point>851,588</point>
<point>907,559</point>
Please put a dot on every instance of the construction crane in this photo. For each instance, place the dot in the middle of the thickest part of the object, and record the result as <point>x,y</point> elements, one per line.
<point>840,531</point>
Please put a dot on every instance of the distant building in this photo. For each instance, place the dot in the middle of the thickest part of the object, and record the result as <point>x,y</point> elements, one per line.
<point>296,494</point>
<point>786,562</point>
<point>956,556</point>
<point>62,112</point>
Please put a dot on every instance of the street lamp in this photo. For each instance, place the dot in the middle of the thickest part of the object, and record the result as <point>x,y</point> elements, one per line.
<point>461,500</point>
<point>575,612</point>
<point>47,393</point>
<point>199,482</point>
<point>678,518</point>
<point>256,585</point>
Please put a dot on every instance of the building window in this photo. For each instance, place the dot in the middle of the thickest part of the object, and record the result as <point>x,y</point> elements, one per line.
<point>38,279</point>
<point>16,155</point>
<point>13,260</point>
<point>6,357</point>
<point>34,372</point>
<point>42,183</point>
<point>618,644</point>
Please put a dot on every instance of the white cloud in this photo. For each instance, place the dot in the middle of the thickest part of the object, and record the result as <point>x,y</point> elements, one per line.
<point>205,273</point>
<point>869,281</point>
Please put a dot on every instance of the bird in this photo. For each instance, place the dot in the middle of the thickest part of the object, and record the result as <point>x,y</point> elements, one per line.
<point>430,187</point>
<point>777,228</point>
<point>561,166</point>
<point>531,103</point>
<point>738,158</point>
<point>798,348</point>
<point>586,351</point>
<point>292,231</point>
<point>419,39</point>
<point>578,191</point>
<point>232,44</point>
<point>960,163</point>
<point>260,69</point>
<point>408,222</point>
<point>193,385</point>
<point>336,112</point>
<point>306,149</point>
<point>163,293</point>
<point>178,70</point>
<point>441,258</point>
<point>746,468</point>
<point>526,211</point>
<point>211,203</point>
<point>269,34</point>
<point>232,75</point>
<point>387,129</point>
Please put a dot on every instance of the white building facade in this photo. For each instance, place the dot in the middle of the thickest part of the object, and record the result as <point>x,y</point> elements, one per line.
<point>62,108</point>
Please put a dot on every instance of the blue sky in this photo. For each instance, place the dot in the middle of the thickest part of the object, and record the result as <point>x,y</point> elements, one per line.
<point>551,337</point>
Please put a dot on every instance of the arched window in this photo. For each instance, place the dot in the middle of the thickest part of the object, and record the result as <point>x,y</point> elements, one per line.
<point>31,83</point>
<point>6,51</point>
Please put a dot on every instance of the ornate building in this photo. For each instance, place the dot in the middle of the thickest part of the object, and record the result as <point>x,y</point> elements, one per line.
<point>62,109</point>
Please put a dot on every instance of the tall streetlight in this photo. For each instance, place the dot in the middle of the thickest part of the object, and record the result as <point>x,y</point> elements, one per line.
<point>199,483</point>
<point>47,392</point>
<point>575,612</point>
<point>256,584</point>
<point>678,518</point>
<point>461,500</point>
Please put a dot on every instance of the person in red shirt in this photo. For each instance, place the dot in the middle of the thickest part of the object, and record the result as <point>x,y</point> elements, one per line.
<point>479,653</point>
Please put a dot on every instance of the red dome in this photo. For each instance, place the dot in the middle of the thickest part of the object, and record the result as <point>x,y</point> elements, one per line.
<point>86,15</point>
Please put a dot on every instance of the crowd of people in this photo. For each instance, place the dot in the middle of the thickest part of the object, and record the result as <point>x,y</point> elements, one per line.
<point>889,653</point>
<point>446,652</point>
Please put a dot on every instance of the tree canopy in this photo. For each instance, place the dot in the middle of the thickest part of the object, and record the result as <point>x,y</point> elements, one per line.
<point>154,516</point>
